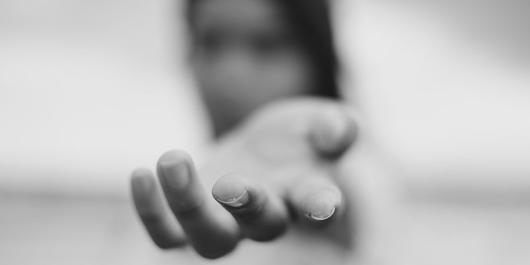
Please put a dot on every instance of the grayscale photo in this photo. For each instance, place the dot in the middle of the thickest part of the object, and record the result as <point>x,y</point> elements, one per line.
<point>237,132</point>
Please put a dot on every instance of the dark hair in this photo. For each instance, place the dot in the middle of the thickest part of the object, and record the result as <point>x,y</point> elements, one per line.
<point>311,22</point>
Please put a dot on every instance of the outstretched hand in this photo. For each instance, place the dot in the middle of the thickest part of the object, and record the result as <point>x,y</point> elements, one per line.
<point>275,171</point>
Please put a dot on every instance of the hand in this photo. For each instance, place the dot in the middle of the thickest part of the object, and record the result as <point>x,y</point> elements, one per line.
<point>277,169</point>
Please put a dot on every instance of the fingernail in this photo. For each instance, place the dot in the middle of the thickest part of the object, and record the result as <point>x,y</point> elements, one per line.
<point>235,201</point>
<point>141,181</point>
<point>231,190</point>
<point>176,175</point>
<point>322,205</point>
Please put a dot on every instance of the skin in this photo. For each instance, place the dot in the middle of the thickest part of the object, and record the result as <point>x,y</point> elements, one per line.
<point>268,175</point>
<point>419,231</point>
<point>243,61</point>
<point>273,171</point>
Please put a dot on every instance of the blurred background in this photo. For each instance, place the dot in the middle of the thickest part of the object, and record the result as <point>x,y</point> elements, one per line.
<point>90,90</point>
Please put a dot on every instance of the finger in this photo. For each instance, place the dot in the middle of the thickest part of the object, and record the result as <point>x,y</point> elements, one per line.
<point>260,215</point>
<point>152,209</point>
<point>315,200</point>
<point>332,132</point>
<point>210,229</point>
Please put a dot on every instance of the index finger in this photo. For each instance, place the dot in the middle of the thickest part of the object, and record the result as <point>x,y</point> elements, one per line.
<point>209,228</point>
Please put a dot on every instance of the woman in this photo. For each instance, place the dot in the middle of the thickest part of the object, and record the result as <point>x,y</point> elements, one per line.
<point>247,54</point>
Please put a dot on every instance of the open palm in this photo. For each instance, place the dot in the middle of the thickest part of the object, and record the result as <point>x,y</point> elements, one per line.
<point>276,171</point>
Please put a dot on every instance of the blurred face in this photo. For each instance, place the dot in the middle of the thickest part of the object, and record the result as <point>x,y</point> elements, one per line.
<point>245,54</point>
